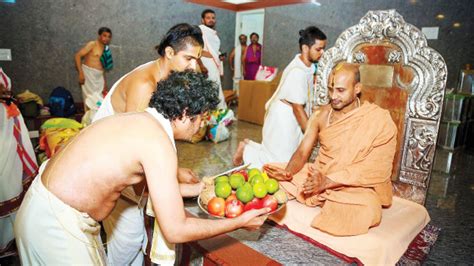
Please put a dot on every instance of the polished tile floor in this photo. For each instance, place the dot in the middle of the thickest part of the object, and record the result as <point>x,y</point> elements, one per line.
<point>450,200</point>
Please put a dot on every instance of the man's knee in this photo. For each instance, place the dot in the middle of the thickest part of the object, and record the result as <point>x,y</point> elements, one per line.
<point>341,219</point>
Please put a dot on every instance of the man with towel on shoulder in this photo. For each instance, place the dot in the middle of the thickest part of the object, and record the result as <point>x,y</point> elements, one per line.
<point>57,223</point>
<point>350,178</point>
<point>97,59</point>
<point>179,50</point>
<point>210,62</point>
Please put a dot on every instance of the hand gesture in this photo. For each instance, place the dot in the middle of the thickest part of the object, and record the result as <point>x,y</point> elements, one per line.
<point>314,183</point>
<point>253,219</point>
<point>187,176</point>
<point>196,189</point>
<point>277,173</point>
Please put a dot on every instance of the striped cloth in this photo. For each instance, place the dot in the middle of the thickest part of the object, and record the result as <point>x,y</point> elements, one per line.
<point>106,59</point>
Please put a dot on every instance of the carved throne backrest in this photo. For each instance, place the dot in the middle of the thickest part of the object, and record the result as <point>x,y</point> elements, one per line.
<point>400,73</point>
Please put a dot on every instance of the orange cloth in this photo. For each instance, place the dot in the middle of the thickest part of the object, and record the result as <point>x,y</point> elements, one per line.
<point>12,110</point>
<point>356,151</point>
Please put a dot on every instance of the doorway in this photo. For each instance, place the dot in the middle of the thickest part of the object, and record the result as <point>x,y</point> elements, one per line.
<point>246,23</point>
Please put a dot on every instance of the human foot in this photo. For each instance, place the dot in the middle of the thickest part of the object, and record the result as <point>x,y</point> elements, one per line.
<point>239,153</point>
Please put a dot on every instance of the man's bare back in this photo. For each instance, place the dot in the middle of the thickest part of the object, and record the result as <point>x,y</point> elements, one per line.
<point>93,186</point>
<point>142,80</point>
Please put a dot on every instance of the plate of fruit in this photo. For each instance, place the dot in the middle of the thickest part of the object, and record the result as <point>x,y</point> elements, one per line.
<point>229,195</point>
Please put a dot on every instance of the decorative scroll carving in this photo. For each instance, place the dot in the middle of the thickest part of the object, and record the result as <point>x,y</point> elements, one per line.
<point>420,145</point>
<point>394,57</point>
<point>360,57</point>
<point>426,89</point>
<point>387,25</point>
<point>421,142</point>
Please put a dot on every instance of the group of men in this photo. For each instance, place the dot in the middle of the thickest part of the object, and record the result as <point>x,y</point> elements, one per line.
<point>245,60</point>
<point>128,155</point>
<point>94,59</point>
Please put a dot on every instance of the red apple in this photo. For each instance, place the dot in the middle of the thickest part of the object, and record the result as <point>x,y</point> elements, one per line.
<point>216,206</point>
<point>255,203</point>
<point>231,197</point>
<point>270,202</point>
<point>233,208</point>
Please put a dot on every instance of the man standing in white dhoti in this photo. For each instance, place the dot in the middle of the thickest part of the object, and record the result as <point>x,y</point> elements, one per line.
<point>91,71</point>
<point>287,111</point>
<point>235,60</point>
<point>57,223</point>
<point>211,64</point>
<point>17,163</point>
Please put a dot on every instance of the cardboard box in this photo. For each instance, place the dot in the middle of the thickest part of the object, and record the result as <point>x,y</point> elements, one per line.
<point>252,98</point>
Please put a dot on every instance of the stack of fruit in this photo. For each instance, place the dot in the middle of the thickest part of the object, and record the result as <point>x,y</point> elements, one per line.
<point>243,190</point>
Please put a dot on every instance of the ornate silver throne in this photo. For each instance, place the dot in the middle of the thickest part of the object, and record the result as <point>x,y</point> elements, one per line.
<point>402,74</point>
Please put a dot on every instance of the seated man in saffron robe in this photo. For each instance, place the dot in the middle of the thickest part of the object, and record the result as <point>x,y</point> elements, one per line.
<point>350,178</point>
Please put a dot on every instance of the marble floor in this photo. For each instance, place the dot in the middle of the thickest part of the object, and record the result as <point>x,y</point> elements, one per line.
<point>450,200</point>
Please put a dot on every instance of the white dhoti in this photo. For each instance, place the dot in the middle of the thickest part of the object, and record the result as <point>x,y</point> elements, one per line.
<point>237,67</point>
<point>17,168</point>
<point>281,132</point>
<point>50,232</point>
<point>281,137</point>
<point>92,91</point>
<point>125,234</point>
<point>214,67</point>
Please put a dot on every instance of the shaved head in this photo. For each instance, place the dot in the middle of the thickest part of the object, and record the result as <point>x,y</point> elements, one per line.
<point>344,86</point>
<point>345,69</point>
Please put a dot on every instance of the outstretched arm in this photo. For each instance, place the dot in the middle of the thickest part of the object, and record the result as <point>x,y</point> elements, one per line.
<point>300,156</point>
<point>160,165</point>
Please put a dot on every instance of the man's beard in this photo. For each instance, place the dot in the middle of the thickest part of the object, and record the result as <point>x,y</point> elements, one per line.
<point>210,25</point>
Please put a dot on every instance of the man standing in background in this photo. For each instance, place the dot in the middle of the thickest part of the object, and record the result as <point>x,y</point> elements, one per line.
<point>235,60</point>
<point>210,62</point>
<point>97,59</point>
<point>252,57</point>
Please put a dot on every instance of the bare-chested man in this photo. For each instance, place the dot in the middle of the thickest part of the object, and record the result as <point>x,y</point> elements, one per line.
<point>91,71</point>
<point>350,178</point>
<point>235,59</point>
<point>57,223</point>
<point>179,50</point>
